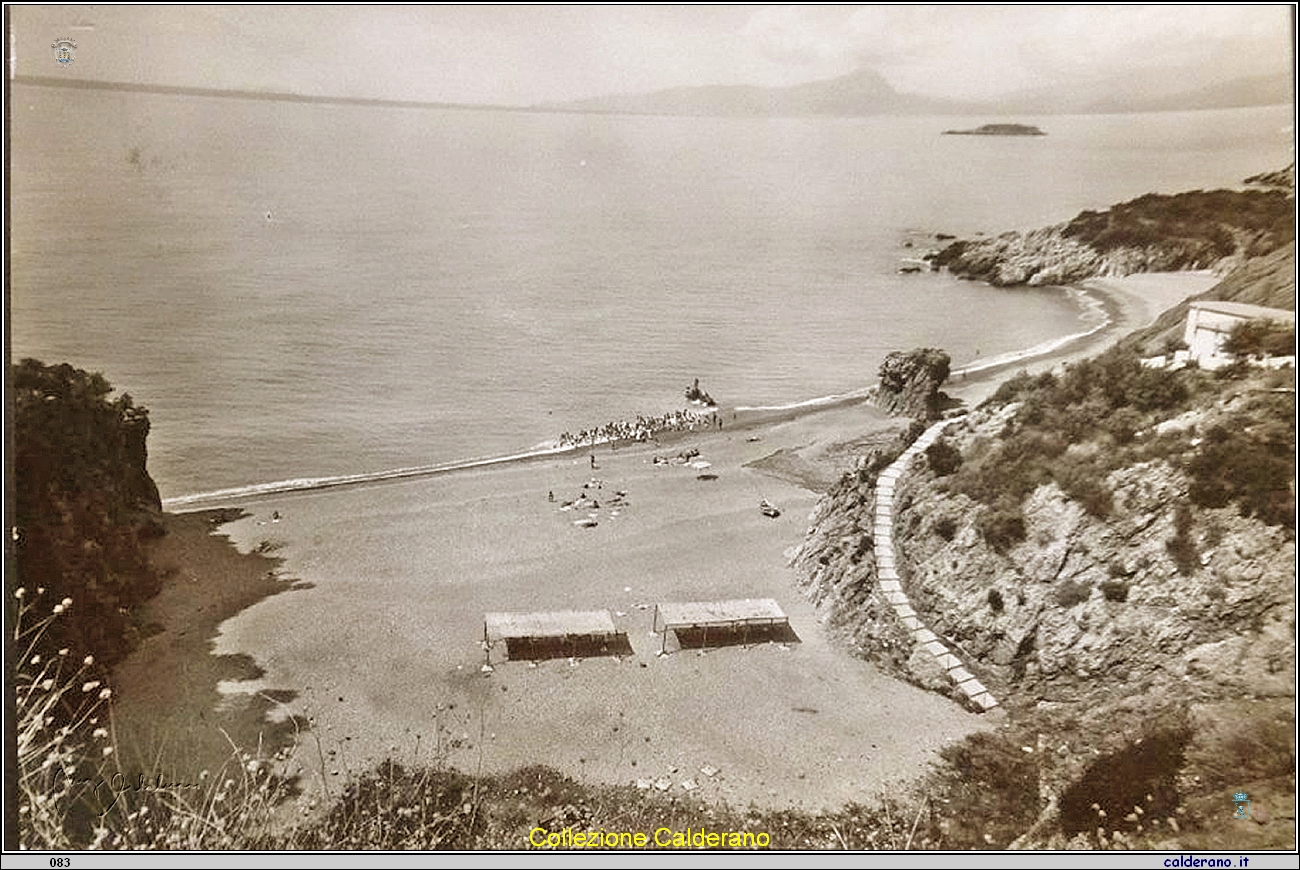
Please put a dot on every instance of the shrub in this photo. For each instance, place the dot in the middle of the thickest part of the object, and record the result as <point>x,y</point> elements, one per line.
<point>1002,527</point>
<point>1260,338</point>
<point>946,528</point>
<point>1012,388</point>
<point>944,458</point>
<point>1181,547</point>
<point>1256,469</point>
<point>1070,592</point>
<point>1115,590</point>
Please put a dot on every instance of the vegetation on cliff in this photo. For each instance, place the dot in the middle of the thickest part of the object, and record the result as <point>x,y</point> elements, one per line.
<point>83,502</point>
<point>1111,550</point>
<point>1153,233</point>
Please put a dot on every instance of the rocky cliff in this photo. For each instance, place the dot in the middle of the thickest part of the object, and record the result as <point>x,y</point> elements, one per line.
<point>83,501</point>
<point>1196,230</point>
<point>910,381</point>
<point>1112,553</point>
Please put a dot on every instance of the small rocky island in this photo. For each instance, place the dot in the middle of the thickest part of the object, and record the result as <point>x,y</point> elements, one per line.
<point>998,130</point>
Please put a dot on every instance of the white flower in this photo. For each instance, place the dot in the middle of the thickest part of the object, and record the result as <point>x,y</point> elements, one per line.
<point>99,732</point>
<point>93,684</point>
<point>67,602</point>
<point>19,593</point>
<point>89,660</point>
<point>104,694</point>
<point>36,660</point>
<point>47,685</point>
<point>58,608</point>
<point>64,651</point>
<point>108,750</point>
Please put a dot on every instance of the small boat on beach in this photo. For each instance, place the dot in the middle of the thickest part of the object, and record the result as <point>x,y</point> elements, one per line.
<point>768,509</point>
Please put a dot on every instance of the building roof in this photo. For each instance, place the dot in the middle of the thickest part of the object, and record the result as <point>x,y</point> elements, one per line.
<point>563,623</point>
<point>736,612</point>
<point>1244,311</point>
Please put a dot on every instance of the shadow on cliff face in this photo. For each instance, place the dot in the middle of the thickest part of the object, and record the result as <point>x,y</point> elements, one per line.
<point>1121,790</point>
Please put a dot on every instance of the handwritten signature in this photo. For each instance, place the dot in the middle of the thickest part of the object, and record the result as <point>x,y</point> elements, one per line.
<point>118,785</point>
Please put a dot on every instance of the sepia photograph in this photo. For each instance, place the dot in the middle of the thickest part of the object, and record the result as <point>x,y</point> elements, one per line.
<point>559,430</point>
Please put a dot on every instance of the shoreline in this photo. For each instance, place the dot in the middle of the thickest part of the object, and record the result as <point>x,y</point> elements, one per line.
<point>1096,294</point>
<point>380,647</point>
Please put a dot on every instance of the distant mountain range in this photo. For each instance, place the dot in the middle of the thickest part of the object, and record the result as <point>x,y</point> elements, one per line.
<point>866,92</point>
<point>860,93</point>
<point>863,92</point>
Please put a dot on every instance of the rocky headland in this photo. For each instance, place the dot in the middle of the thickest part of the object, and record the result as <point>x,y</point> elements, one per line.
<point>1110,549</point>
<point>1217,230</point>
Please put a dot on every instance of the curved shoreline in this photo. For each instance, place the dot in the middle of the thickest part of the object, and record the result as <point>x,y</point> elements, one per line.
<point>1094,295</point>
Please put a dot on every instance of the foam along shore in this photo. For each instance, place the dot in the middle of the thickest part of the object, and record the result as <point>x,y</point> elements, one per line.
<point>1114,305</point>
<point>375,652</point>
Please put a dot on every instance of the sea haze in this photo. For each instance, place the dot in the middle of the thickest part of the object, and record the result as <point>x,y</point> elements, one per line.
<point>313,290</point>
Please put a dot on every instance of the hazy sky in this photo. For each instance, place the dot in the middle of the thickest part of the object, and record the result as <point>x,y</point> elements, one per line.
<point>528,54</point>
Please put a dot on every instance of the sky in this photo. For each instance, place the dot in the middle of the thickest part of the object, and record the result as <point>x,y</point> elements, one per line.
<point>522,55</point>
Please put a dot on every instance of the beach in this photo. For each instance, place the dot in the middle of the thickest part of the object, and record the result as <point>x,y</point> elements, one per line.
<point>363,641</point>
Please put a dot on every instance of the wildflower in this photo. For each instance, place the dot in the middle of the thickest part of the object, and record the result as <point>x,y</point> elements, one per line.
<point>19,593</point>
<point>67,602</point>
<point>36,660</point>
<point>99,733</point>
<point>47,685</point>
<point>89,660</point>
<point>64,651</point>
<point>93,684</point>
<point>58,608</point>
<point>104,694</point>
<point>107,750</point>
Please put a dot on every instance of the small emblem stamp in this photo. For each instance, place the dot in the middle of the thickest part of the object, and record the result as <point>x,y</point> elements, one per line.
<point>1242,801</point>
<point>64,49</point>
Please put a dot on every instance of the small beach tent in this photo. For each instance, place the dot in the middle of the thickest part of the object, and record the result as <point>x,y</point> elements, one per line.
<point>565,631</point>
<point>724,615</point>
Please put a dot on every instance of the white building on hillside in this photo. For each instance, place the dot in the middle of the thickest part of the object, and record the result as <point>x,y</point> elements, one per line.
<point>1209,323</point>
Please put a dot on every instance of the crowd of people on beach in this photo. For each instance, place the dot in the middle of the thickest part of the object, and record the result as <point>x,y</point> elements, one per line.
<point>642,429</point>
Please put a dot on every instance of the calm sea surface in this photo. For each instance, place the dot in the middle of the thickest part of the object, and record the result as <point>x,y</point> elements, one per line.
<point>302,291</point>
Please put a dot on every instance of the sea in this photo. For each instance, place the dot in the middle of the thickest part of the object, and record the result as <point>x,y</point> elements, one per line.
<point>306,292</point>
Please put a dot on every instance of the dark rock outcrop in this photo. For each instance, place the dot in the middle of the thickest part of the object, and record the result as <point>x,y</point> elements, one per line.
<point>910,381</point>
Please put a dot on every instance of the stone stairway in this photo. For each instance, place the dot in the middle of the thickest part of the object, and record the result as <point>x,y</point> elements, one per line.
<point>968,688</point>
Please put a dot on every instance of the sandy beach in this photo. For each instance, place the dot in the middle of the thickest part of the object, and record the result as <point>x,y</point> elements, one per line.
<point>372,649</point>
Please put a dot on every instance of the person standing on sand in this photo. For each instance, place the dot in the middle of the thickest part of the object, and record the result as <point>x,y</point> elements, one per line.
<point>593,460</point>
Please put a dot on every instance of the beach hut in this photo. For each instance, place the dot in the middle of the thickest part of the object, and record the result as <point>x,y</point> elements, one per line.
<point>549,635</point>
<point>722,617</point>
<point>1210,322</point>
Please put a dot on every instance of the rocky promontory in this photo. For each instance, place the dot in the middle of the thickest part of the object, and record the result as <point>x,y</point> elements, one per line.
<point>910,381</point>
<point>1154,233</point>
